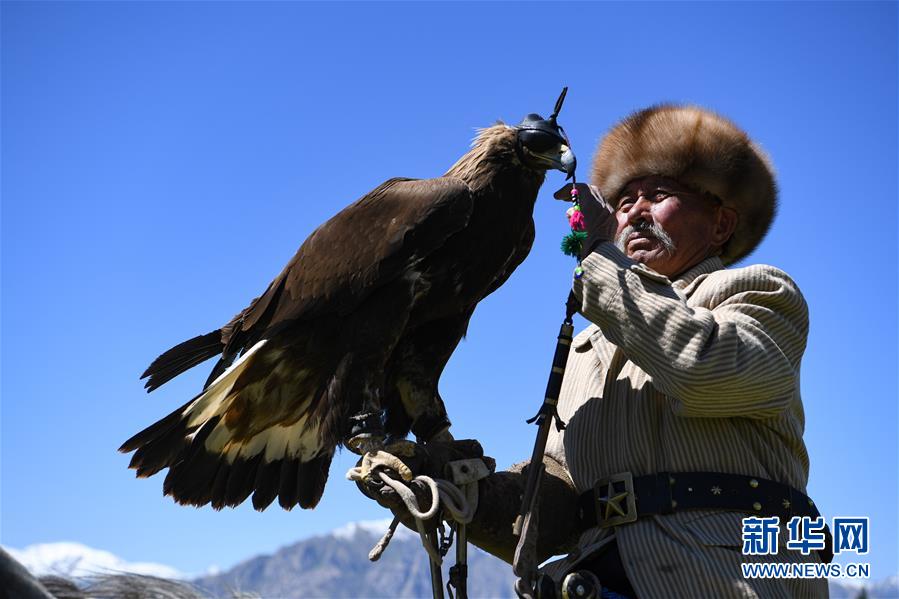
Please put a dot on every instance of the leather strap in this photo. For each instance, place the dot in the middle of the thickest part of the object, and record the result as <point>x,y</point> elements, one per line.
<point>622,498</point>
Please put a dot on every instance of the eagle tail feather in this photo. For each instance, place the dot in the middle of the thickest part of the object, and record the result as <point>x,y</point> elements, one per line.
<point>166,442</point>
<point>155,430</point>
<point>207,466</point>
<point>189,480</point>
<point>240,481</point>
<point>160,453</point>
<point>181,358</point>
<point>312,478</point>
<point>266,484</point>
<point>220,367</point>
<point>288,489</point>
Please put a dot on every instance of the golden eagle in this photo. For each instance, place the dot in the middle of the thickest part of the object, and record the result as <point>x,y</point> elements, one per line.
<point>348,342</point>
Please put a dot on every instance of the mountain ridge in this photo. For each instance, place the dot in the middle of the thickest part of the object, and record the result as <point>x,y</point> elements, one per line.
<point>76,560</point>
<point>321,565</point>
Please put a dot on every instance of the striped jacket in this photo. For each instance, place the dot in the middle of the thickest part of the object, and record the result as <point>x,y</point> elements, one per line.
<point>696,374</point>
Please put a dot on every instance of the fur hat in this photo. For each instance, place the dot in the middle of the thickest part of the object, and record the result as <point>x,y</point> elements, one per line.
<point>700,149</point>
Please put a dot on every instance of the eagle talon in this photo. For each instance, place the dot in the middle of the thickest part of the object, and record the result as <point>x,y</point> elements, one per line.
<point>398,445</point>
<point>364,443</point>
<point>366,432</point>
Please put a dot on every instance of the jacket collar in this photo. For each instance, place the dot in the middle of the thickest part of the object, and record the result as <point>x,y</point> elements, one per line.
<point>686,283</point>
<point>688,277</point>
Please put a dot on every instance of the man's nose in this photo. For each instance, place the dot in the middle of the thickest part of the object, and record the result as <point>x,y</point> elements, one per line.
<point>639,211</point>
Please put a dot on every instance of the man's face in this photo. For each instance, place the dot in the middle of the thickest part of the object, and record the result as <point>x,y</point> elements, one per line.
<point>668,227</point>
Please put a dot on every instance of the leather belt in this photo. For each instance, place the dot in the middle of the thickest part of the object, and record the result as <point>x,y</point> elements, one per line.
<point>622,498</point>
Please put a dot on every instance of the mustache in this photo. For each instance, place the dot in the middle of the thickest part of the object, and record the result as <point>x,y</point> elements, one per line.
<point>649,229</point>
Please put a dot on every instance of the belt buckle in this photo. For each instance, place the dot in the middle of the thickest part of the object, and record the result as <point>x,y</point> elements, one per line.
<point>616,502</point>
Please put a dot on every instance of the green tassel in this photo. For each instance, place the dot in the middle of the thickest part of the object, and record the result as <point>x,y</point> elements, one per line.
<point>573,242</point>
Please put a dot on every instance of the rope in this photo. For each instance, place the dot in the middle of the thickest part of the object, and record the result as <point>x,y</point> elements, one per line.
<point>458,504</point>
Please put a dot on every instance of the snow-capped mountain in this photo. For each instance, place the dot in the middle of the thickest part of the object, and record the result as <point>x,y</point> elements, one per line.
<point>371,527</point>
<point>888,587</point>
<point>323,566</point>
<point>74,560</point>
<point>319,567</point>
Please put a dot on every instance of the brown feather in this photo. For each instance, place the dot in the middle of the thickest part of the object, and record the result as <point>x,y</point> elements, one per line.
<point>153,431</point>
<point>266,484</point>
<point>410,255</point>
<point>190,479</point>
<point>219,485</point>
<point>181,358</point>
<point>242,480</point>
<point>190,482</point>
<point>312,478</point>
<point>493,150</point>
<point>398,220</point>
<point>165,450</point>
<point>287,486</point>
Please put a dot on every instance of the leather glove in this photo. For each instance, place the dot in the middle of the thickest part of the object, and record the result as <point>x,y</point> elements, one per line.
<point>413,460</point>
<point>599,218</point>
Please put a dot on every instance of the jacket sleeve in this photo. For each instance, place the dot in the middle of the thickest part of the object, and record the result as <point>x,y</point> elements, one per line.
<point>500,500</point>
<point>739,356</point>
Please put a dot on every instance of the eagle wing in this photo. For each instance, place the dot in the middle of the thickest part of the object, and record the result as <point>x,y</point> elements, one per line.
<point>517,256</point>
<point>365,245</point>
<point>252,429</point>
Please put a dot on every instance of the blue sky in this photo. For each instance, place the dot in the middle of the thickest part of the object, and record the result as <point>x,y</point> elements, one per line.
<point>162,161</point>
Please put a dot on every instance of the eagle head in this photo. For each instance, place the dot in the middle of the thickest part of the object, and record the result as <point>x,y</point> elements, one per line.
<point>542,143</point>
<point>536,144</point>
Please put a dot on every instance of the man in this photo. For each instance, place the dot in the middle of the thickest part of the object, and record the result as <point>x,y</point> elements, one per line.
<point>682,398</point>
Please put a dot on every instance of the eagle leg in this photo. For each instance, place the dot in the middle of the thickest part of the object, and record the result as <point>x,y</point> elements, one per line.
<point>366,431</point>
<point>376,334</point>
<point>417,365</point>
<point>366,427</point>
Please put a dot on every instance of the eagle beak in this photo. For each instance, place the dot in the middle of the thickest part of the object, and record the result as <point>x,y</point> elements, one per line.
<point>567,161</point>
<point>560,157</point>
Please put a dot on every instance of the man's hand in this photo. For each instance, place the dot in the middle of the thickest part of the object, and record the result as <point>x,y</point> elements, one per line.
<point>414,459</point>
<point>499,498</point>
<point>599,218</point>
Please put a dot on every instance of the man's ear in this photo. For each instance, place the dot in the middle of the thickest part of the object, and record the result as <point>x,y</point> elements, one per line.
<point>725,223</point>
